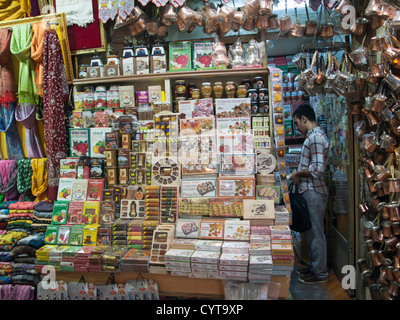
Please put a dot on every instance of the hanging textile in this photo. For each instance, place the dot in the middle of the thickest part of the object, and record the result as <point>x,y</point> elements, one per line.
<point>24,175</point>
<point>26,115</point>
<point>76,12</point>
<point>14,9</point>
<point>39,179</point>
<point>55,94</point>
<point>37,55</point>
<point>8,177</point>
<point>8,97</point>
<point>20,47</point>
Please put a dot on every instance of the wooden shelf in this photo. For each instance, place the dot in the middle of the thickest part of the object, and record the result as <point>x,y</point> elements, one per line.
<point>171,285</point>
<point>174,75</point>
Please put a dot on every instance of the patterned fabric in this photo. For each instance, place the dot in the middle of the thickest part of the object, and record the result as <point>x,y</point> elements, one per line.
<point>8,183</point>
<point>314,157</point>
<point>55,94</point>
<point>7,83</point>
<point>24,176</point>
<point>9,127</point>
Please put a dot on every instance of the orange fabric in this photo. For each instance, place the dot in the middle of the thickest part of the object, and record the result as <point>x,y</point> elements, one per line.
<point>37,55</point>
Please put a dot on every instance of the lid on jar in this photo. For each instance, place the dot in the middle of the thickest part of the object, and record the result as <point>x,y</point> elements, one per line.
<point>218,84</point>
<point>206,84</point>
<point>180,81</point>
<point>242,86</point>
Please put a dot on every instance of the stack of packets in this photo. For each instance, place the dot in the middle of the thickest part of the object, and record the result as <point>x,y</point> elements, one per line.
<point>42,256</point>
<point>282,216</point>
<point>234,260</point>
<point>136,260</point>
<point>134,234</point>
<point>177,261</point>
<point>111,258</point>
<point>260,264</point>
<point>205,259</point>
<point>282,251</point>
<point>162,237</point>
<point>148,228</point>
<point>82,258</point>
<point>94,264</point>
<point>119,233</point>
<point>55,256</point>
<point>68,258</point>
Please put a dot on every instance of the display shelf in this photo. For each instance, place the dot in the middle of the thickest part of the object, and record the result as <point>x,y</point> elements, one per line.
<point>174,75</point>
<point>168,285</point>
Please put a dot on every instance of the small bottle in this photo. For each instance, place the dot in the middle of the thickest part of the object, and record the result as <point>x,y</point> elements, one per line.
<point>206,90</point>
<point>218,90</point>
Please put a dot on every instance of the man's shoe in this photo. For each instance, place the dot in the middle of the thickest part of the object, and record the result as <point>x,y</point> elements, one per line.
<point>303,271</point>
<point>311,279</point>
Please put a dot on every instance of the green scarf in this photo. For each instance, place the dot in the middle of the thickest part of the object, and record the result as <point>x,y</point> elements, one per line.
<point>24,175</point>
<point>20,47</point>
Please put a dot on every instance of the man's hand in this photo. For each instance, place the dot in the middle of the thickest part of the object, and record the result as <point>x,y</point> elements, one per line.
<point>295,178</point>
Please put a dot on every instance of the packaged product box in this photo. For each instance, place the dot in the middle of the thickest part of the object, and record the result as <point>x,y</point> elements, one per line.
<point>142,64</point>
<point>78,101</point>
<point>68,173</point>
<point>60,212</point>
<point>158,63</point>
<point>100,99</point>
<point>196,108</point>
<point>79,142</point>
<point>235,247</point>
<point>51,234</point>
<point>90,235</point>
<point>234,259</point>
<point>63,235</point>
<point>65,189</point>
<point>178,255</point>
<point>107,212</point>
<point>187,228</point>
<point>226,207</point>
<point>112,70</point>
<point>193,206</point>
<point>101,119</point>
<point>111,140</point>
<point>128,66</point>
<point>123,159</point>
<point>239,187</point>
<point>212,229</point>
<point>112,176</point>
<point>127,96</point>
<point>258,209</point>
<point>95,189</point>
<point>288,128</point>
<point>233,107</point>
<point>197,188</point>
<point>96,168</point>
<point>111,158</point>
<point>79,189</point>
<point>182,243</point>
<point>180,56</point>
<point>237,164</point>
<point>237,230</point>
<point>88,100</point>
<point>75,210</point>
<point>202,51</point>
<point>209,245</point>
<point>77,120</point>
<point>268,193</point>
<point>90,214</point>
<point>202,256</point>
<point>97,142</point>
<point>155,94</point>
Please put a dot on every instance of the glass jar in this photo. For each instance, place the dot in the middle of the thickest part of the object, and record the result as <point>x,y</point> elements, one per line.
<point>241,91</point>
<point>206,90</point>
<point>195,94</point>
<point>218,90</point>
<point>180,88</point>
<point>248,83</point>
<point>230,89</point>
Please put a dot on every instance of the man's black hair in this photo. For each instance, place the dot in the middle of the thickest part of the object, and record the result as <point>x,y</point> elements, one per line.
<point>305,110</point>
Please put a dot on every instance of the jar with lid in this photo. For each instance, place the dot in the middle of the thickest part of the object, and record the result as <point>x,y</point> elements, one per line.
<point>230,89</point>
<point>258,82</point>
<point>195,94</point>
<point>206,90</point>
<point>241,91</point>
<point>180,89</point>
<point>177,103</point>
<point>218,90</point>
<point>247,83</point>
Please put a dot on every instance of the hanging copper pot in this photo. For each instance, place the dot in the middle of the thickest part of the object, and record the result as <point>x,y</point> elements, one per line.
<point>373,8</point>
<point>359,27</point>
<point>355,107</point>
<point>211,19</point>
<point>364,208</point>
<point>368,173</point>
<point>251,8</point>
<point>378,102</point>
<point>393,82</point>
<point>262,22</point>
<point>359,57</point>
<point>226,13</point>
<point>326,31</point>
<point>394,211</point>
<point>182,27</point>
<point>298,30</point>
<point>162,31</point>
<point>377,43</point>
<point>311,28</point>
<point>382,279</point>
<point>386,228</point>
<point>137,27</point>
<point>376,261</point>
<point>223,28</point>
<point>394,184</point>
<point>198,18</point>
<point>266,7</point>
<point>387,11</point>
<point>249,24</point>
<point>394,289</point>
<point>396,228</point>
<point>238,17</point>
<point>378,70</point>
<point>368,225</point>
<point>285,24</point>
<point>381,173</point>
<point>371,186</point>
<point>273,22</point>
<point>152,27</point>
<point>372,121</point>
<point>186,15</point>
<point>362,77</point>
<point>385,213</point>
<point>169,16</point>
<point>376,22</point>
<point>390,54</point>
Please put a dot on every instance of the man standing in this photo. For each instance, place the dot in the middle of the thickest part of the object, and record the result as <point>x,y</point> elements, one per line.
<point>309,178</point>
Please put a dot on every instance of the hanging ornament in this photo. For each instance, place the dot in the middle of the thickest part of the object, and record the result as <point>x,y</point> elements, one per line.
<point>177,3</point>
<point>314,4</point>
<point>144,2</point>
<point>211,19</point>
<point>160,3</point>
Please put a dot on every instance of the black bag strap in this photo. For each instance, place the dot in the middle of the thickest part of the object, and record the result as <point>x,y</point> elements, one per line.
<point>293,188</point>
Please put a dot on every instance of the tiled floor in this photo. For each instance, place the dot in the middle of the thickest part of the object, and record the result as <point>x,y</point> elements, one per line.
<point>332,290</point>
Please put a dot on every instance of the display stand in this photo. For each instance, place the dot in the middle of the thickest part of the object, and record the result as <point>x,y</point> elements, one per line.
<point>172,285</point>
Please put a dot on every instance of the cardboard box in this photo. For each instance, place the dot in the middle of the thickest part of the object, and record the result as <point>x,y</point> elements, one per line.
<point>111,70</point>
<point>180,56</point>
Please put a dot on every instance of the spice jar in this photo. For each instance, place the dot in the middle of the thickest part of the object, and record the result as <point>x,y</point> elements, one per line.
<point>206,90</point>
<point>258,82</point>
<point>180,88</point>
<point>248,83</point>
<point>218,90</point>
<point>241,91</point>
<point>230,89</point>
<point>195,94</point>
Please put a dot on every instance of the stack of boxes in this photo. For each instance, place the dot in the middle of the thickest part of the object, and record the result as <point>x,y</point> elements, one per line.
<point>260,265</point>
<point>136,261</point>
<point>234,260</point>
<point>82,259</point>
<point>94,264</point>
<point>177,261</point>
<point>205,259</point>
<point>282,251</point>
<point>68,258</point>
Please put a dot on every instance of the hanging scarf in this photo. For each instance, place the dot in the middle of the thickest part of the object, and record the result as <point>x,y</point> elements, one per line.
<point>24,175</point>
<point>37,55</point>
<point>21,48</point>
<point>8,98</point>
<point>55,94</point>
<point>39,179</point>
<point>26,115</point>
<point>7,81</point>
<point>8,183</point>
<point>14,9</point>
